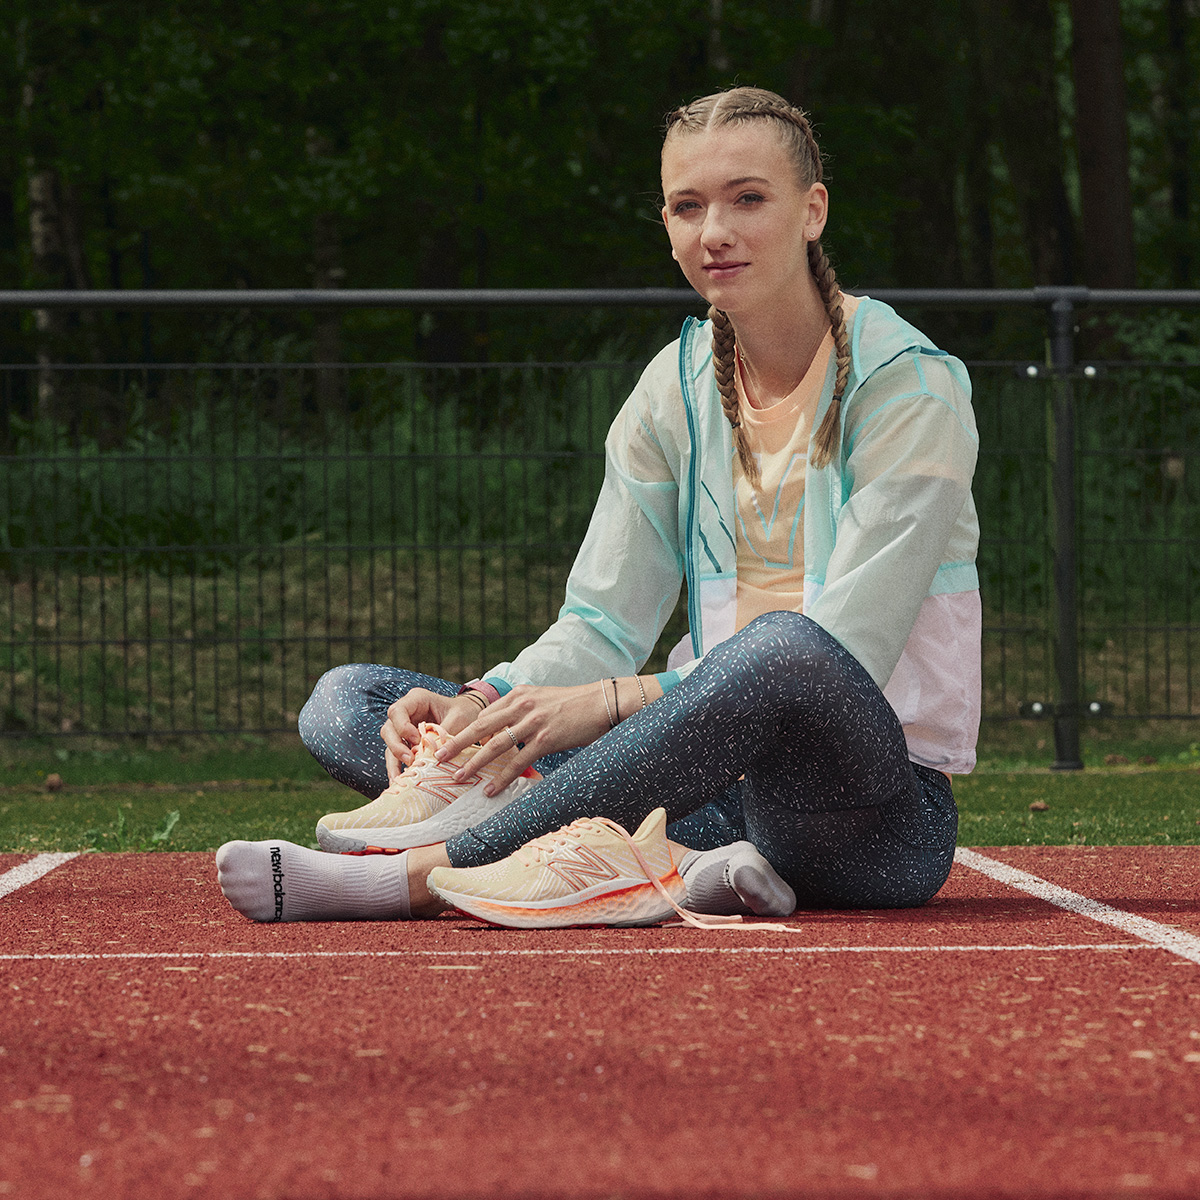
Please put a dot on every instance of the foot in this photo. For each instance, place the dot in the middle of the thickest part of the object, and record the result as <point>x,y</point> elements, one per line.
<point>424,804</point>
<point>280,881</point>
<point>591,872</point>
<point>735,879</point>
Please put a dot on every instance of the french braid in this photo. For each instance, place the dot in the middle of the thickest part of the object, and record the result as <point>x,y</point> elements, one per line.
<point>724,358</point>
<point>829,432</point>
<point>737,106</point>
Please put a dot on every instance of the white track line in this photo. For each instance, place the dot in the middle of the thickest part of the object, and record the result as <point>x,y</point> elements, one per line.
<point>1186,945</point>
<point>532,953</point>
<point>32,870</point>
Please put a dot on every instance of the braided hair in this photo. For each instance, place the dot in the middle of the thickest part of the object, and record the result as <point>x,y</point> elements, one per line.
<point>738,106</point>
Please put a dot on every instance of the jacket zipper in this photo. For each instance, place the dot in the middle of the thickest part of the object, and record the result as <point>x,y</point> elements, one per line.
<point>689,552</point>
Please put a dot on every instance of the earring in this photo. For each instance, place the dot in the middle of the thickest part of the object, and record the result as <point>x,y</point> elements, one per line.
<point>675,255</point>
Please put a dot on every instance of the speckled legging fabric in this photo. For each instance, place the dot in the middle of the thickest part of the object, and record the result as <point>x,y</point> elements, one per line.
<point>779,735</point>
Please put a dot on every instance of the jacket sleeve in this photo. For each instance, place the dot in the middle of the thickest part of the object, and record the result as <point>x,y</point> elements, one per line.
<point>627,575</point>
<point>909,452</point>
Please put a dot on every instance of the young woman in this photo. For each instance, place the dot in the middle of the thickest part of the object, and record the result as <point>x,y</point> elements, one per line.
<point>803,461</point>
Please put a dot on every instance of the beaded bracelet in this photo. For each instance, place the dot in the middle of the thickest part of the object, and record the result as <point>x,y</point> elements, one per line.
<point>638,681</point>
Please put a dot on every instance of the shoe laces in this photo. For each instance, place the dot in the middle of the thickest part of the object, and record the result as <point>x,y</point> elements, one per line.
<point>536,852</point>
<point>432,736</point>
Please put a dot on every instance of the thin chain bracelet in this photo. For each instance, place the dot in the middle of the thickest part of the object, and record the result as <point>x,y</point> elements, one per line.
<point>638,681</point>
<point>607,707</point>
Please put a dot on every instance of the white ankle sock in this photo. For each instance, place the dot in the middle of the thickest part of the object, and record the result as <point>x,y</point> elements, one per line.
<point>735,879</point>
<point>280,881</point>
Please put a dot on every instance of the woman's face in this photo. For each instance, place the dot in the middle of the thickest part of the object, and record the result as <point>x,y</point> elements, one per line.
<point>738,219</point>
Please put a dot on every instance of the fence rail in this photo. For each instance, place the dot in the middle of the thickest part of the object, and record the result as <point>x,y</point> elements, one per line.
<point>185,547</point>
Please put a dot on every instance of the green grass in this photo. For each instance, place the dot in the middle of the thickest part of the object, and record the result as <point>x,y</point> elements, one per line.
<point>89,762</point>
<point>168,817</point>
<point>1123,806</point>
<point>118,797</point>
<point>125,798</point>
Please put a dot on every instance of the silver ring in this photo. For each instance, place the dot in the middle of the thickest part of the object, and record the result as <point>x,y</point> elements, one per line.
<point>513,736</point>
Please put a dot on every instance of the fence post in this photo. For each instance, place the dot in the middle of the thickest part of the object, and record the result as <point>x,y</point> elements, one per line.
<point>1063,551</point>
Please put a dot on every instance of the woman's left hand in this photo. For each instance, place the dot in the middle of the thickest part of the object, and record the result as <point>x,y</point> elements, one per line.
<point>541,719</point>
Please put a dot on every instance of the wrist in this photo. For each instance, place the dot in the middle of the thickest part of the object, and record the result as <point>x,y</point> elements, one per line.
<point>489,693</point>
<point>626,696</point>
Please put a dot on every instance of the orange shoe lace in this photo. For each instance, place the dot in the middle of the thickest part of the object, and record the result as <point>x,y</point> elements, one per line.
<point>431,736</point>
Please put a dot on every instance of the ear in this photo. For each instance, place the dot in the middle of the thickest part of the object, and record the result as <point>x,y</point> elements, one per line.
<point>817,206</point>
<point>666,225</point>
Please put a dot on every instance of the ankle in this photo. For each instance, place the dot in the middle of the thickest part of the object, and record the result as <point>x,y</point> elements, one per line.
<point>422,860</point>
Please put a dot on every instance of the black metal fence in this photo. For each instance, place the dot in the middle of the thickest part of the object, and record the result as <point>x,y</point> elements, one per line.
<point>185,548</point>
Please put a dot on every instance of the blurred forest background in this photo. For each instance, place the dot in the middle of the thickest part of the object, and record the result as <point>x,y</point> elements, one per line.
<point>186,543</point>
<point>469,143</point>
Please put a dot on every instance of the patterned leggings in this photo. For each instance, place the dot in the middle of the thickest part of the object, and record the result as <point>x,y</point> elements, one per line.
<point>779,736</point>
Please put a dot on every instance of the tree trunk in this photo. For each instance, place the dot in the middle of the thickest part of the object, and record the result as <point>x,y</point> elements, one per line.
<point>1016,43</point>
<point>1178,87</point>
<point>1102,138</point>
<point>803,68</point>
<point>718,56</point>
<point>328,272</point>
<point>45,247</point>
<point>978,237</point>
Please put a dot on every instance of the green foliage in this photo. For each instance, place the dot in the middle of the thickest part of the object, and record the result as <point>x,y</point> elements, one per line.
<point>194,559</point>
<point>120,838</point>
<point>401,143</point>
<point>240,469</point>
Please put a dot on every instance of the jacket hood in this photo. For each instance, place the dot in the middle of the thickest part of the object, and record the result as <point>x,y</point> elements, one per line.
<point>879,336</point>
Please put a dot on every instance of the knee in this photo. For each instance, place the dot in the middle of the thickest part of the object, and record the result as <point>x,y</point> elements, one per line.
<point>336,692</point>
<point>785,642</point>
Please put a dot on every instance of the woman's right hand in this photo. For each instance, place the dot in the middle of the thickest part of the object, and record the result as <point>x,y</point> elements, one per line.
<point>399,731</point>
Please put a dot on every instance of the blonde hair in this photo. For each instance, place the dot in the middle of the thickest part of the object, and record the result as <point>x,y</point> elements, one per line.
<point>737,106</point>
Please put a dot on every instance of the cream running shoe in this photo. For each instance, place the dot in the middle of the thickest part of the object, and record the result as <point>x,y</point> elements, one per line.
<point>423,805</point>
<point>591,872</point>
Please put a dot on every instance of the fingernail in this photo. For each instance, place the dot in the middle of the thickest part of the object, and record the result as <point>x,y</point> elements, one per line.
<point>489,791</point>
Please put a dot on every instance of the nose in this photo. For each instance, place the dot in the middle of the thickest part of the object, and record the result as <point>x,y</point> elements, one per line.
<point>717,231</point>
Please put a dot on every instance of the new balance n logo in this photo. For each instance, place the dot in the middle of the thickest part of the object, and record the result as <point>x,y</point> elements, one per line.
<point>582,867</point>
<point>438,780</point>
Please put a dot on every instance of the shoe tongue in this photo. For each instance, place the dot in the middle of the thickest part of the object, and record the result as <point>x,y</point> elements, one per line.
<point>430,731</point>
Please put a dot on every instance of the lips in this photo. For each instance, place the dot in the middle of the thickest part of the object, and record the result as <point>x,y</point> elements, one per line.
<point>723,270</point>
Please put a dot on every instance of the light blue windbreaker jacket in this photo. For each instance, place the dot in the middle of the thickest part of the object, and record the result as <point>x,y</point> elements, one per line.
<point>890,533</point>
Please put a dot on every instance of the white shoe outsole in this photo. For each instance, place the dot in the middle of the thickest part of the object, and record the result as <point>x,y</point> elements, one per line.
<point>628,907</point>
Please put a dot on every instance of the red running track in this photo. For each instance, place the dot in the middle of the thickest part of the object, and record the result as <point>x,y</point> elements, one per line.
<point>992,1044</point>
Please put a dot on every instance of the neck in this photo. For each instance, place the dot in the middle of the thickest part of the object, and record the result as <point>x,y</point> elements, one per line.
<point>778,347</point>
